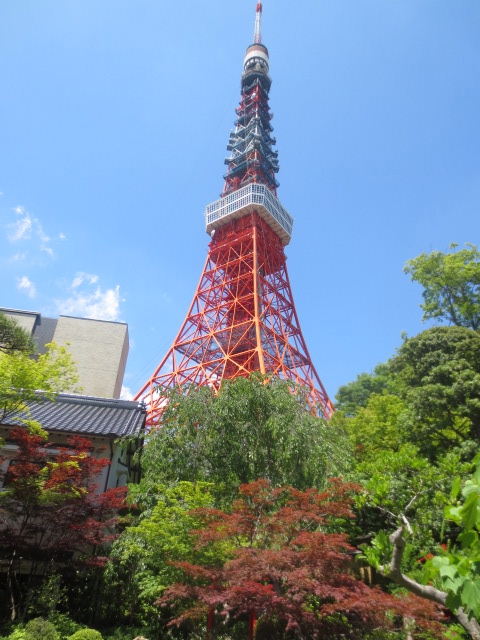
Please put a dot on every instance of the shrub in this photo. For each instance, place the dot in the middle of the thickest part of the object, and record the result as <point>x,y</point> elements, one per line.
<point>17,634</point>
<point>86,634</point>
<point>40,629</point>
<point>127,633</point>
<point>64,624</point>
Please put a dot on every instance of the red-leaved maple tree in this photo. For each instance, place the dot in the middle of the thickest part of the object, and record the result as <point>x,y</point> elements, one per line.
<point>51,513</point>
<point>285,569</point>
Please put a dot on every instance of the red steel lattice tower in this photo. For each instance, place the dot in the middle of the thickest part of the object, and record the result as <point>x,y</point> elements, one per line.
<point>242,317</point>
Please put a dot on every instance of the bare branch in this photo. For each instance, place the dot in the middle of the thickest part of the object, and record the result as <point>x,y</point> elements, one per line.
<point>428,592</point>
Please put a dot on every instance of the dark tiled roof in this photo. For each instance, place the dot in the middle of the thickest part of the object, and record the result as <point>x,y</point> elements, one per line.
<point>87,416</point>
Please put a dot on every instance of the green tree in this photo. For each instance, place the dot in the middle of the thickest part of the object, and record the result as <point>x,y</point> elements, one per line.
<point>451,283</point>
<point>405,482</point>
<point>413,435</point>
<point>14,338</point>
<point>355,395</point>
<point>429,396</point>
<point>410,441</point>
<point>22,376</point>
<point>375,427</point>
<point>143,555</point>
<point>438,378</point>
<point>251,429</point>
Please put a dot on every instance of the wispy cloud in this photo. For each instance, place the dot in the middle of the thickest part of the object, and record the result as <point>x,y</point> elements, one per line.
<point>28,227</point>
<point>22,229</point>
<point>18,257</point>
<point>25,284</point>
<point>82,277</point>
<point>97,303</point>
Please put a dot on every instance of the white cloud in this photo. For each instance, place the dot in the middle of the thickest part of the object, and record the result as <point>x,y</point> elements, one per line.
<point>21,229</point>
<point>98,304</point>
<point>82,277</point>
<point>18,257</point>
<point>126,393</point>
<point>28,227</point>
<point>44,239</point>
<point>24,283</point>
<point>61,236</point>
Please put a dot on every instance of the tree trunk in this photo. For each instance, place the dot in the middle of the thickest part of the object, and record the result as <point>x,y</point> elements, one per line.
<point>10,585</point>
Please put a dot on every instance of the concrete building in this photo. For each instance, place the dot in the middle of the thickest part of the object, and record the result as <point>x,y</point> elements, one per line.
<point>99,348</point>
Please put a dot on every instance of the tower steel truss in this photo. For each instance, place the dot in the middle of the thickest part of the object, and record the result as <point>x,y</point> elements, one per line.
<point>242,318</point>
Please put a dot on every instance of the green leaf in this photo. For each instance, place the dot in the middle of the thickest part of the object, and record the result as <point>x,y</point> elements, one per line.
<point>453,601</point>
<point>457,483</point>
<point>440,561</point>
<point>468,539</point>
<point>448,570</point>
<point>381,542</point>
<point>372,556</point>
<point>453,513</point>
<point>471,595</point>
<point>470,512</point>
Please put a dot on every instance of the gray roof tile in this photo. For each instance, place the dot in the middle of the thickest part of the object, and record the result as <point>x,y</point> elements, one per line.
<point>84,415</point>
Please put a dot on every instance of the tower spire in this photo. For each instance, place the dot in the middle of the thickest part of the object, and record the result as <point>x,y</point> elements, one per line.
<point>242,318</point>
<point>257,38</point>
<point>252,158</point>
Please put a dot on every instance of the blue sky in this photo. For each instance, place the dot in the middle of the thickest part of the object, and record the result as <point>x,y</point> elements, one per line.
<point>114,122</point>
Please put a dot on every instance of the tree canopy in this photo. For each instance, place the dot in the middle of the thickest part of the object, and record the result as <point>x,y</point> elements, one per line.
<point>438,377</point>
<point>449,575</point>
<point>14,338</point>
<point>249,430</point>
<point>289,565</point>
<point>22,376</point>
<point>355,395</point>
<point>451,285</point>
<point>143,556</point>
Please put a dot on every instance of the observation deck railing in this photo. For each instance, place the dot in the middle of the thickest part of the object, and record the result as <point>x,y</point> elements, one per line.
<point>252,197</point>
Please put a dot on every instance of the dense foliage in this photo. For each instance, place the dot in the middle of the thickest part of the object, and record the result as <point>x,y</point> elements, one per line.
<point>142,557</point>
<point>457,569</point>
<point>22,376</point>
<point>289,564</point>
<point>251,429</point>
<point>438,375</point>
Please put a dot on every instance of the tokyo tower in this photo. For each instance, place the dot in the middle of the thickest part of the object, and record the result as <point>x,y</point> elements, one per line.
<point>242,318</point>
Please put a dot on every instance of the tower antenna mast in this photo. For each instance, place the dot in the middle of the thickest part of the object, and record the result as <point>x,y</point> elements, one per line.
<point>257,38</point>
